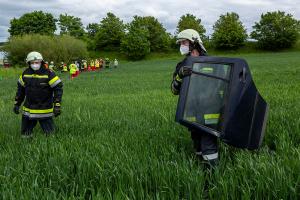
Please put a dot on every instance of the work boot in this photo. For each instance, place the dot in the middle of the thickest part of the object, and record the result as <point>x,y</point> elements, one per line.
<point>210,165</point>
<point>26,134</point>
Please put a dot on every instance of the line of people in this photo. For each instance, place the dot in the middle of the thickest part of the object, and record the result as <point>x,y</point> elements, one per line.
<point>82,65</point>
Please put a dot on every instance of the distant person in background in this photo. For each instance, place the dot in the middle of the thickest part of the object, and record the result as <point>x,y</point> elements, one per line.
<point>78,65</point>
<point>46,65</point>
<point>101,63</point>
<point>61,66</point>
<point>93,65</point>
<point>97,64</point>
<point>64,67</point>
<point>116,63</point>
<point>81,65</point>
<point>85,65</point>
<point>107,63</point>
<point>42,91</point>
<point>77,68</point>
<point>73,70</point>
<point>51,66</point>
<point>89,66</point>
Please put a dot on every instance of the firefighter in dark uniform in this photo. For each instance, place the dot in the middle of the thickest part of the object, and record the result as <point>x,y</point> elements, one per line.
<point>107,63</point>
<point>206,145</point>
<point>42,91</point>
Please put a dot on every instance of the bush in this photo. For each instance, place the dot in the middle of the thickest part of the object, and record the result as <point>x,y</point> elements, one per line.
<point>53,48</point>
<point>229,32</point>
<point>276,30</point>
<point>135,45</point>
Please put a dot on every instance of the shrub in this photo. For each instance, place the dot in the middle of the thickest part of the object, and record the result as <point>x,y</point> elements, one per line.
<point>53,48</point>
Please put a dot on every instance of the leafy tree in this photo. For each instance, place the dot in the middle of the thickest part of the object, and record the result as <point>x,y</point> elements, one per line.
<point>36,22</point>
<point>158,37</point>
<point>190,21</point>
<point>92,29</point>
<point>276,30</point>
<point>71,25</point>
<point>229,32</point>
<point>135,44</point>
<point>110,32</point>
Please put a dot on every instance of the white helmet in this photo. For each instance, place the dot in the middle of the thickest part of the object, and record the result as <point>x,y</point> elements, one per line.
<point>34,56</point>
<point>191,35</point>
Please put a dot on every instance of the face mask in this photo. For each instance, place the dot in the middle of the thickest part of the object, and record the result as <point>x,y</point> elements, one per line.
<point>35,67</point>
<point>184,49</point>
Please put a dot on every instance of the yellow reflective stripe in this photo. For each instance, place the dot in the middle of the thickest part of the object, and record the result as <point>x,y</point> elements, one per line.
<point>35,76</point>
<point>191,119</point>
<point>53,80</point>
<point>33,111</point>
<point>221,92</point>
<point>21,81</point>
<point>177,78</point>
<point>57,104</point>
<point>207,70</point>
<point>211,116</point>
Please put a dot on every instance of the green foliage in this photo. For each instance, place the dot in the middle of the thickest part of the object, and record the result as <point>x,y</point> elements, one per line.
<point>117,139</point>
<point>92,29</point>
<point>158,37</point>
<point>276,30</point>
<point>53,48</point>
<point>190,21</point>
<point>135,44</point>
<point>229,32</point>
<point>71,25</point>
<point>36,22</point>
<point>110,33</point>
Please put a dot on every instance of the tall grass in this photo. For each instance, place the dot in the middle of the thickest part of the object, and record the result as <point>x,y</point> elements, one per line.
<point>117,139</point>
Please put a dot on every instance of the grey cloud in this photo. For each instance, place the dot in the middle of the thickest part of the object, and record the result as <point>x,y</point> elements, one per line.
<point>168,12</point>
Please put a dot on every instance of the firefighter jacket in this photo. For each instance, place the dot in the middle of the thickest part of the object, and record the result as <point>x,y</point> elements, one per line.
<point>41,89</point>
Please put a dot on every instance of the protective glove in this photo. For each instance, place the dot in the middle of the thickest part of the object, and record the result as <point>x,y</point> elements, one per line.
<point>16,109</point>
<point>184,71</point>
<point>56,110</point>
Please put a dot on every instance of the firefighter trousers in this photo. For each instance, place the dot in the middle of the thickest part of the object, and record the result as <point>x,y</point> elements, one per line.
<point>205,145</point>
<point>28,124</point>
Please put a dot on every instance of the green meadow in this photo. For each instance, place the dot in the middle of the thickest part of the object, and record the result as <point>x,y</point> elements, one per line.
<point>117,139</point>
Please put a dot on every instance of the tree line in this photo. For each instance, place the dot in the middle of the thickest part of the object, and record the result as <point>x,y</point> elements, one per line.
<point>145,34</point>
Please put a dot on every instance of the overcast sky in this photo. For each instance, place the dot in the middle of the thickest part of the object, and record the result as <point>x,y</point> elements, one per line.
<point>168,12</point>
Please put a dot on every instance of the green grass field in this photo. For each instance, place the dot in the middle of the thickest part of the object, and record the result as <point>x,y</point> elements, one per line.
<point>117,139</point>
